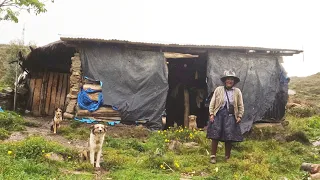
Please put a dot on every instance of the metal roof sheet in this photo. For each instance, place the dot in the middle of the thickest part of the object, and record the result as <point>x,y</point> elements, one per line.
<point>174,45</point>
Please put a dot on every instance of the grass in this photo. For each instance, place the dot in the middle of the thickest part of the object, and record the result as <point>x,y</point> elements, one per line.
<point>27,160</point>
<point>252,159</point>
<point>263,155</point>
<point>10,121</point>
<point>307,90</point>
<point>150,158</point>
<point>74,131</point>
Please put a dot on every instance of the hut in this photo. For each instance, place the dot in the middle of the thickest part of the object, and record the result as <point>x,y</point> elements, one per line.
<point>141,81</point>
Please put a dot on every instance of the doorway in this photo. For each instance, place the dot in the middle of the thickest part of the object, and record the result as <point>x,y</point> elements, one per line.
<point>187,90</point>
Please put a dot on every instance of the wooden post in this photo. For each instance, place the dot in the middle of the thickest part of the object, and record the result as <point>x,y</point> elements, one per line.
<point>15,88</point>
<point>186,107</point>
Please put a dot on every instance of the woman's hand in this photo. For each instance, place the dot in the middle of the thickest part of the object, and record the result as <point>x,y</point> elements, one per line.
<point>238,119</point>
<point>211,118</point>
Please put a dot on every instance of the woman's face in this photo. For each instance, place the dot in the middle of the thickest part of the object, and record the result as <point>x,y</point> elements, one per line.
<point>229,82</point>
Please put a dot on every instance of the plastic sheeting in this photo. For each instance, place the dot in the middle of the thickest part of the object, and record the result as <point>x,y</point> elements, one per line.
<point>278,109</point>
<point>134,81</point>
<point>260,81</point>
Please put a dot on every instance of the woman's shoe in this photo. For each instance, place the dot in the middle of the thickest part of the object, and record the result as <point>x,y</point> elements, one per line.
<point>213,159</point>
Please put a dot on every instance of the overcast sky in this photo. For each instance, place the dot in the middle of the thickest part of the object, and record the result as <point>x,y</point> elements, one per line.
<point>269,23</point>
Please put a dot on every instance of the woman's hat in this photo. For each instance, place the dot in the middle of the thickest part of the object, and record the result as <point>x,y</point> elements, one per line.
<point>230,73</point>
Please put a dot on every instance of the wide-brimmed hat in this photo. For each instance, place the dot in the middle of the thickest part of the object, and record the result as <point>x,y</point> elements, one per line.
<point>230,73</point>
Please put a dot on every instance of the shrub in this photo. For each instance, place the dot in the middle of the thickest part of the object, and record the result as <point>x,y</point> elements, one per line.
<point>302,112</point>
<point>11,121</point>
<point>4,134</point>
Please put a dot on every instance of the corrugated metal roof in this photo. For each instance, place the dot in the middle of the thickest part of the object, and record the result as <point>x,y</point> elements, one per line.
<point>156,44</point>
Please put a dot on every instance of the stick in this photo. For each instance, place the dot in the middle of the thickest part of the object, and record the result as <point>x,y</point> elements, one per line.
<point>168,166</point>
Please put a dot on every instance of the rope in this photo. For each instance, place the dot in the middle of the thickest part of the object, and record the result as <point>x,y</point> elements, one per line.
<point>85,102</point>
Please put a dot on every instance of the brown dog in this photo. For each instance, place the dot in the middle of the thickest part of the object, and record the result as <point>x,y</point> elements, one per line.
<point>57,119</point>
<point>192,122</point>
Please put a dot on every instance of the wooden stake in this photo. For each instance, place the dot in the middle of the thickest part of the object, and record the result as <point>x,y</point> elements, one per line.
<point>186,107</point>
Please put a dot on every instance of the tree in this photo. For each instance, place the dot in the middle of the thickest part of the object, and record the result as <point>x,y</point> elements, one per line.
<point>10,9</point>
<point>10,54</point>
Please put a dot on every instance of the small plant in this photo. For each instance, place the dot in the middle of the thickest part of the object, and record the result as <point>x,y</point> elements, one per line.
<point>11,121</point>
<point>4,134</point>
<point>302,112</point>
<point>74,133</point>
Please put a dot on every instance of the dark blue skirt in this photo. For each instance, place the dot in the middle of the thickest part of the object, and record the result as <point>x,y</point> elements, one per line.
<point>224,128</point>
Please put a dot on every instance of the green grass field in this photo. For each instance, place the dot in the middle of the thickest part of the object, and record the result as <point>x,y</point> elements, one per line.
<point>260,156</point>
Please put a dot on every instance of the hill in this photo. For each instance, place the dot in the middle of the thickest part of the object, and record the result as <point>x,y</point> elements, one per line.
<point>307,90</point>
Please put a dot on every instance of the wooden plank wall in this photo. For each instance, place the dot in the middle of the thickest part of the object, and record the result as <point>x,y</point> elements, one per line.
<point>48,91</point>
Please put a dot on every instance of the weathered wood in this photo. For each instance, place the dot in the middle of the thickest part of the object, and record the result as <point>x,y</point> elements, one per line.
<point>32,83</point>
<point>44,93</point>
<point>104,119</point>
<point>101,112</point>
<point>49,90</point>
<point>186,107</point>
<point>94,96</point>
<point>64,91</point>
<point>59,90</point>
<point>96,87</point>
<point>36,96</point>
<point>53,94</point>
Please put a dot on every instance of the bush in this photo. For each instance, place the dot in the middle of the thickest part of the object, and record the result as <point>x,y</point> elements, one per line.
<point>11,54</point>
<point>36,148</point>
<point>302,112</point>
<point>4,134</point>
<point>11,121</point>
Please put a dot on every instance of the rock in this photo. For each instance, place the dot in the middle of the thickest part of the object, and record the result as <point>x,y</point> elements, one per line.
<point>293,105</point>
<point>269,125</point>
<point>71,106</point>
<point>68,115</point>
<point>316,143</point>
<point>174,145</point>
<point>54,157</point>
<point>190,145</point>
<point>7,90</point>
<point>291,92</point>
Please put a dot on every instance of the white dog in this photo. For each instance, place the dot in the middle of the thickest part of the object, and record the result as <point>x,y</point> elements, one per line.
<point>96,140</point>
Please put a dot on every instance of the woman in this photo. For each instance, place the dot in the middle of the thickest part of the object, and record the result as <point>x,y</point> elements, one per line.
<point>226,110</point>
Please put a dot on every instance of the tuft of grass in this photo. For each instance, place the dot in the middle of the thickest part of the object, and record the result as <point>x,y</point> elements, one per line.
<point>26,160</point>
<point>302,112</point>
<point>32,124</point>
<point>4,134</point>
<point>74,133</point>
<point>11,121</point>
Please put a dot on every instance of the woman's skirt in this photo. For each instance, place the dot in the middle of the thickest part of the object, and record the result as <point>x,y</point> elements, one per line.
<point>224,127</point>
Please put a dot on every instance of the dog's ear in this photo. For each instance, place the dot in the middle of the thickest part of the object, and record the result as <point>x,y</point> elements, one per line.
<point>189,116</point>
<point>105,128</point>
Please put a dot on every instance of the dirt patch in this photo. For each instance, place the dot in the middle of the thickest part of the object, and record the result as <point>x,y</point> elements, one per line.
<point>128,131</point>
<point>43,129</point>
<point>40,126</point>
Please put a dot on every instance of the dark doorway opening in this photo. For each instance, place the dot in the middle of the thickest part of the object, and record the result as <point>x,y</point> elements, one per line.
<point>187,79</point>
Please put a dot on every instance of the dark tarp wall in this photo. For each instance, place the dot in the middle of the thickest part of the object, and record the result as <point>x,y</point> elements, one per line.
<point>134,81</point>
<point>278,109</point>
<point>259,83</point>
